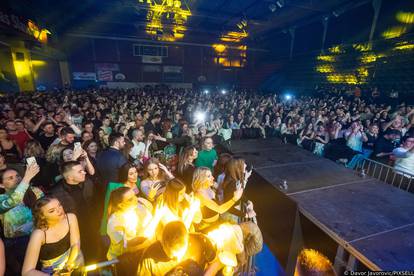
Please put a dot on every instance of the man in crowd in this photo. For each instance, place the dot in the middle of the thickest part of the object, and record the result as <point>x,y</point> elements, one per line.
<point>138,149</point>
<point>385,145</point>
<point>15,214</point>
<point>110,160</point>
<point>67,137</point>
<point>154,124</point>
<point>75,196</point>
<point>404,156</point>
<point>47,136</point>
<point>177,249</point>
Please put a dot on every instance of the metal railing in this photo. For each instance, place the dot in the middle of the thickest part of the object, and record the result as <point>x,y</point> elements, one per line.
<point>386,173</point>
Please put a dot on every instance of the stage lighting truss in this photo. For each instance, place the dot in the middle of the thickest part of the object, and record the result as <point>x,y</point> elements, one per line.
<point>167,19</point>
<point>364,55</point>
<point>405,22</point>
<point>329,64</point>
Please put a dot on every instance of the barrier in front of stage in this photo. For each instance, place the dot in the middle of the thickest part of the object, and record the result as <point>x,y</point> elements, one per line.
<point>386,173</point>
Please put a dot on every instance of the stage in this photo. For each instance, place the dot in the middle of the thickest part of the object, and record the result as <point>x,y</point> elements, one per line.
<point>359,223</point>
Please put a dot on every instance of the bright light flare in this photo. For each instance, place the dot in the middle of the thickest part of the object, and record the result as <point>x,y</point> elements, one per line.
<point>228,259</point>
<point>90,267</point>
<point>152,226</point>
<point>189,213</point>
<point>131,220</point>
<point>223,92</point>
<point>206,91</point>
<point>200,116</point>
<point>220,235</point>
<point>179,253</point>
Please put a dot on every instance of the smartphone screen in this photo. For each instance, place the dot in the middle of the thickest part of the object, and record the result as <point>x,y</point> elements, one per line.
<point>31,160</point>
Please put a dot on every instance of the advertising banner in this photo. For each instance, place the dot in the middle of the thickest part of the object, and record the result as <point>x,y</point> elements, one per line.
<point>104,75</point>
<point>152,59</point>
<point>106,67</point>
<point>84,76</point>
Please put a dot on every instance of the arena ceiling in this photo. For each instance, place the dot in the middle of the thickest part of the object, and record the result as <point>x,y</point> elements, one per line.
<point>196,21</point>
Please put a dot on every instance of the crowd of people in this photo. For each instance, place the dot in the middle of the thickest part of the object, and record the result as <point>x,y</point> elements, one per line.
<point>103,175</point>
<point>134,175</point>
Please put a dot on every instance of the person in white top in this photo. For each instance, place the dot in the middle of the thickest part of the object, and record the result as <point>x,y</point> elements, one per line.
<point>404,157</point>
<point>138,150</point>
<point>129,218</point>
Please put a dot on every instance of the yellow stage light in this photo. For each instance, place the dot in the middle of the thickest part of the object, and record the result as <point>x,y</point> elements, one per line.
<point>362,47</point>
<point>368,58</point>
<point>362,71</point>
<point>405,17</point>
<point>350,79</point>
<point>38,62</point>
<point>326,58</point>
<point>394,32</point>
<point>336,49</point>
<point>404,47</point>
<point>219,48</point>
<point>172,9</point>
<point>325,68</point>
<point>22,68</point>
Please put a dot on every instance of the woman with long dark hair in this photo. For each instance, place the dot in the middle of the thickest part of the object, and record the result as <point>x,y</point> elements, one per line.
<point>127,177</point>
<point>236,177</point>
<point>306,136</point>
<point>186,166</point>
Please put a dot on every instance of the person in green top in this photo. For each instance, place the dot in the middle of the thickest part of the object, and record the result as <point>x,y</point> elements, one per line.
<point>207,157</point>
<point>128,177</point>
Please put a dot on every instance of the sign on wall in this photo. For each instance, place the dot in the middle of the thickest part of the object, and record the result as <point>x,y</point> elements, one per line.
<point>151,68</point>
<point>173,69</point>
<point>151,59</point>
<point>105,75</point>
<point>120,77</point>
<point>106,67</point>
<point>84,76</point>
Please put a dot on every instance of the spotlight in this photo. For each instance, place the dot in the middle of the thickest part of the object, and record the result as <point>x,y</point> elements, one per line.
<point>200,116</point>
<point>288,97</point>
<point>223,91</point>
<point>206,91</point>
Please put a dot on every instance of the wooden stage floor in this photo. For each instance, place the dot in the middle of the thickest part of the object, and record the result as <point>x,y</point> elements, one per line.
<point>372,220</point>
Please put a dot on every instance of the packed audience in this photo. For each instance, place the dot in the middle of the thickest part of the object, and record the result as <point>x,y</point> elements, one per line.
<point>120,175</point>
<point>134,175</point>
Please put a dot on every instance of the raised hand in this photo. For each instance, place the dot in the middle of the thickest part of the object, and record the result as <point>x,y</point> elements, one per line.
<point>77,152</point>
<point>153,190</point>
<point>31,171</point>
